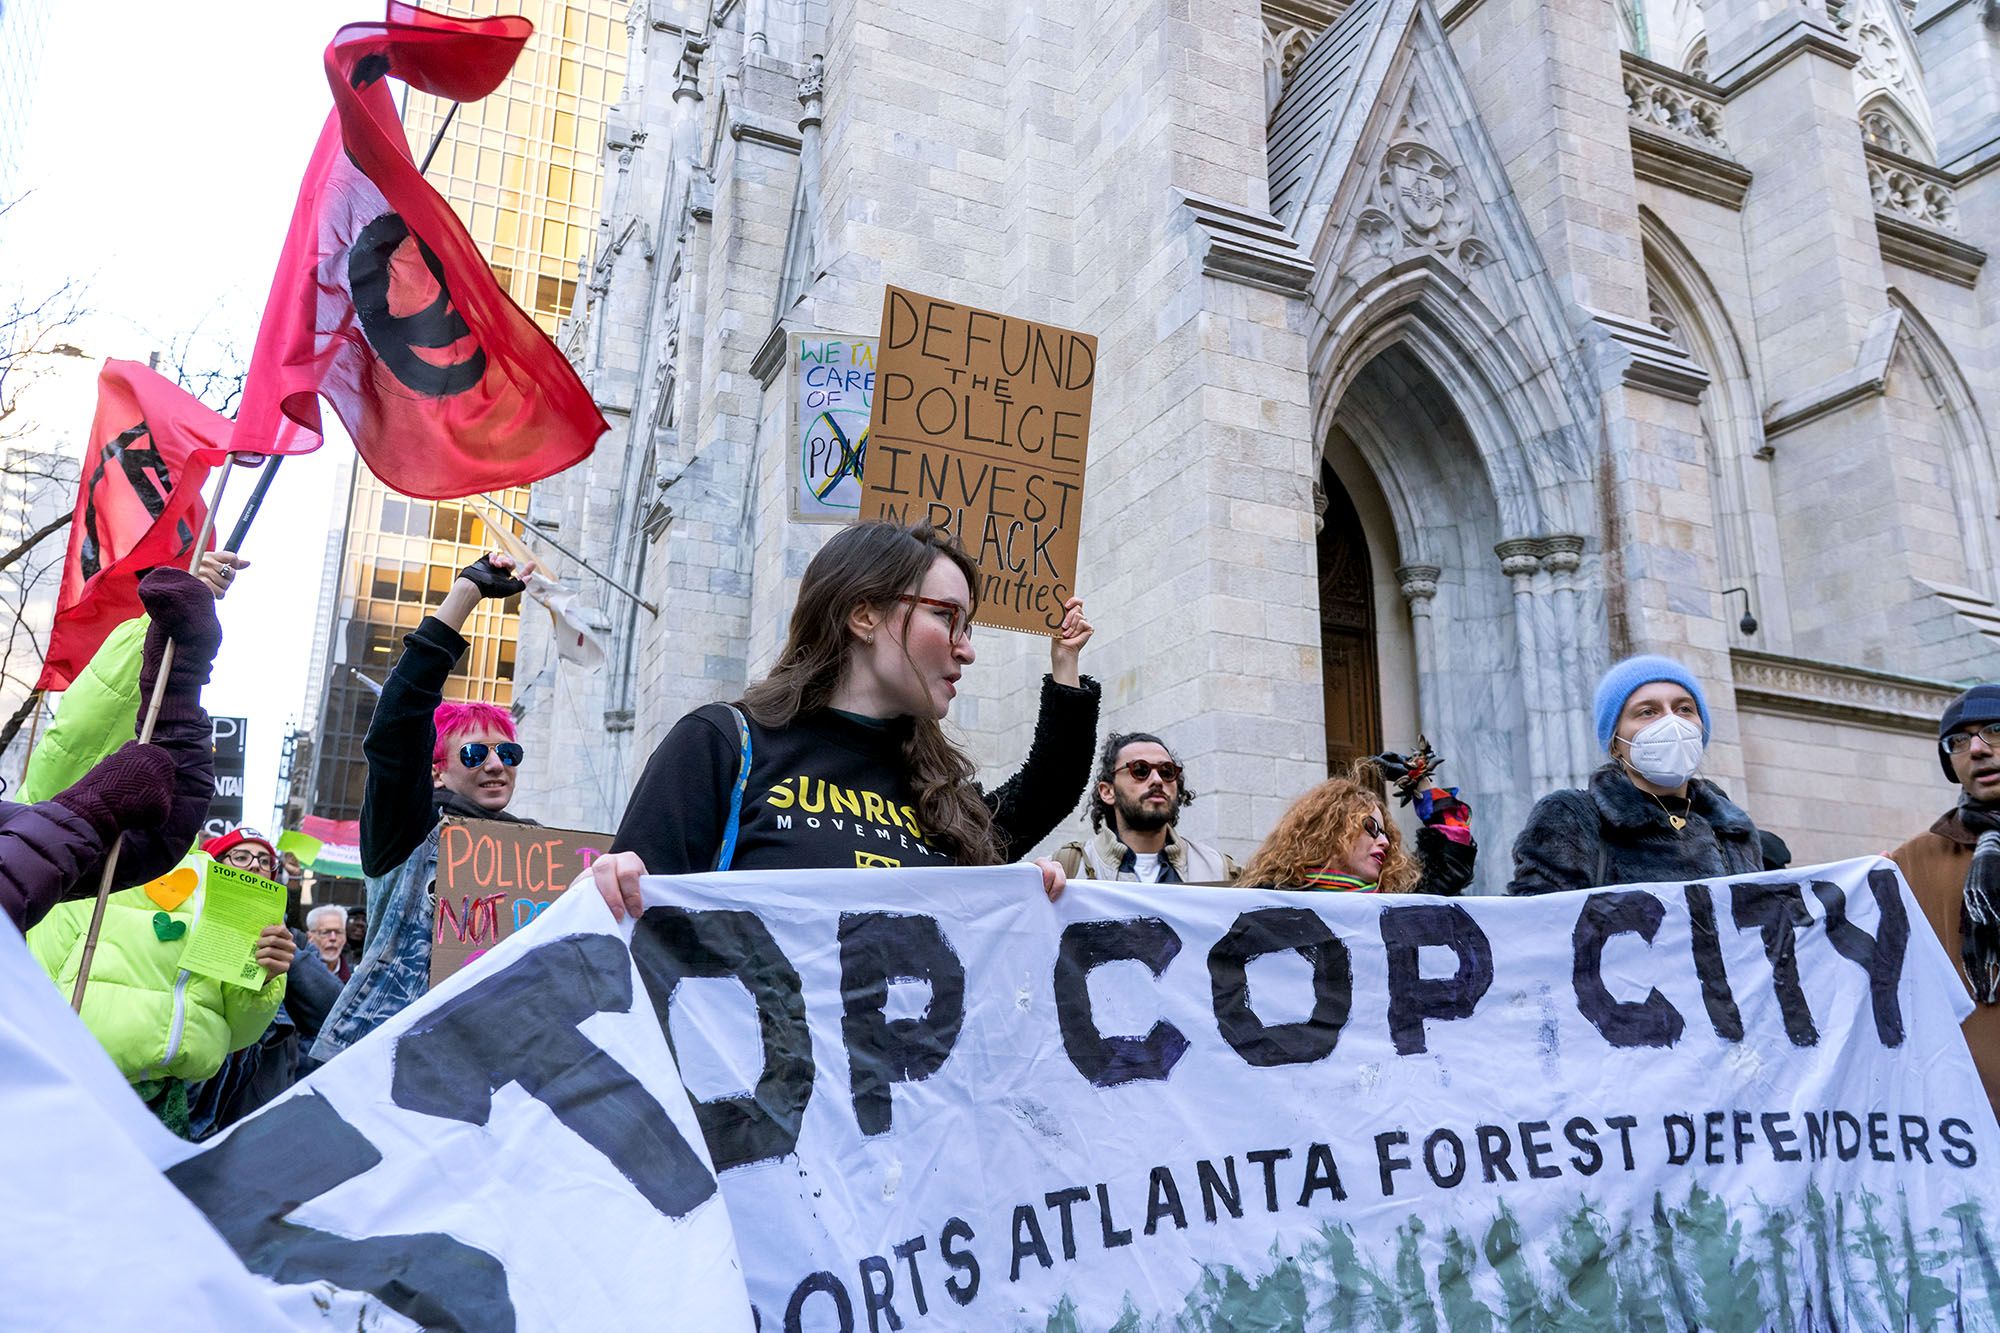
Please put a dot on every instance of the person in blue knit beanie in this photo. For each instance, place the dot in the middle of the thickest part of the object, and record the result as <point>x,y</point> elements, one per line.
<point>1645,816</point>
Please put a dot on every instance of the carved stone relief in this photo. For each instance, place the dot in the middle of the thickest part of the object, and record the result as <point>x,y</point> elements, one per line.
<point>1418,201</point>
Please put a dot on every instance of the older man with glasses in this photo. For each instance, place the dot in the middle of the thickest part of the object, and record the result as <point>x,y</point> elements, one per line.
<point>326,929</point>
<point>1954,867</point>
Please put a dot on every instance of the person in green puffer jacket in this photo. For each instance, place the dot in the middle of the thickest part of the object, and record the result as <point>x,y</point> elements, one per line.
<point>161,1025</point>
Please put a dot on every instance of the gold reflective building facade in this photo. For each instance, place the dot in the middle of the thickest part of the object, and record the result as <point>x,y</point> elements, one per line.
<point>521,167</point>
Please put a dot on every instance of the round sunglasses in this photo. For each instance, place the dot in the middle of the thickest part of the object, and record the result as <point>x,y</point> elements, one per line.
<point>473,753</point>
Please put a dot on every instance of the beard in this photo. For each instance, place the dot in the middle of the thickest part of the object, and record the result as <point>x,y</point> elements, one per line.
<point>1141,819</point>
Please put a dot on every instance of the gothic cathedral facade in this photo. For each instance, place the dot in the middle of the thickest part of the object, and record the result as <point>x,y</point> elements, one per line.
<point>1449,350</point>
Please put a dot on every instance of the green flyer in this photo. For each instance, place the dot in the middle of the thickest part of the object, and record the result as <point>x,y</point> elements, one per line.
<point>236,906</point>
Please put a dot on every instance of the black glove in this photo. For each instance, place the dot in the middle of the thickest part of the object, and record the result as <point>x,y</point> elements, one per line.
<point>490,581</point>
<point>132,787</point>
<point>1447,862</point>
<point>183,610</point>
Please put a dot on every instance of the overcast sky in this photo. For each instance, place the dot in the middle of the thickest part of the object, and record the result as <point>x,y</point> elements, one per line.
<point>163,157</point>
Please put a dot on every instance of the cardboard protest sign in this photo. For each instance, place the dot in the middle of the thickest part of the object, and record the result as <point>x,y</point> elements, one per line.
<point>236,906</point>
<point>979,424</point>
<point>832,381</point>
<point>494,878</point>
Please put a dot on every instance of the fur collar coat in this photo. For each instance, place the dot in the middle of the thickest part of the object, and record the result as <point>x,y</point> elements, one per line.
<point>1613,833</point>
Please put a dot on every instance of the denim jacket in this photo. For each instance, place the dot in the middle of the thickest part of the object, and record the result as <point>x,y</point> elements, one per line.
<point>395,967</point>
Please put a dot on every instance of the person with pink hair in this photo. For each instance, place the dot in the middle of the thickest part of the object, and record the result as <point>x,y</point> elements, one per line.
<point>427,758</point>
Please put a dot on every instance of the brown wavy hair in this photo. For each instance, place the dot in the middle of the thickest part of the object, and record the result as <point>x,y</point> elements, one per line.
<point>1320,826</point>
<point>872,564</point>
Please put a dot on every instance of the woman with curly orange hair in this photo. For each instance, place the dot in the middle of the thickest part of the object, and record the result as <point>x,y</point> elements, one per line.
<point>1338,837</point>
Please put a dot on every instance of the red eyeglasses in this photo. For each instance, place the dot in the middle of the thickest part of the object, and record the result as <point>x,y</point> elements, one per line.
<point>958,622</point>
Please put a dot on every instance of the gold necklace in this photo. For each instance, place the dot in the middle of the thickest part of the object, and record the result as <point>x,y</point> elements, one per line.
<point>1679,821</point>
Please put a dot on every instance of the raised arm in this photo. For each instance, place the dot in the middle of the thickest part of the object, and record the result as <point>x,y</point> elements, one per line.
<point>182,609</point>
<point>1044,791</point>
<point>396,807</point>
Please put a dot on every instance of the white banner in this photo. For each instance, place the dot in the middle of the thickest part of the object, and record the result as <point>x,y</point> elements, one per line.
<point>1737,1105</point>
<point>931,1099</point>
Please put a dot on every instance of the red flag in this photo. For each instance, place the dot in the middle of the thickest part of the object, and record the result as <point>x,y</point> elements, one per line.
<point>138,505</point>
<point>384,306</point>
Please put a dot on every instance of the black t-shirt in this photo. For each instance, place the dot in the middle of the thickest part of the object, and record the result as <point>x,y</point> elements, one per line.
<point>831,791</point>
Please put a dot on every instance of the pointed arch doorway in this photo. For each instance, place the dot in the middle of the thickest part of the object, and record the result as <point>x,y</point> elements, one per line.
<point>1350,675</point>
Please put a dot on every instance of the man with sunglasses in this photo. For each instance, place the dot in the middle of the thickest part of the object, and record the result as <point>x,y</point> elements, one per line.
<point>1954,868</point>
<point>473,757</point>
<point>1133,808</point>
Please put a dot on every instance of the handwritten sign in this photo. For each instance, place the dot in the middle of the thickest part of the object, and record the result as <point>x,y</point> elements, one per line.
<point>979,425</point>
<point>833,386</point>
<point>494,878</point>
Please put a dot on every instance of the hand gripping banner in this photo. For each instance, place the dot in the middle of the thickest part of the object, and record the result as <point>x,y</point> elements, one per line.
<point>911,1100</point>
<point>138,504</point>
<point>383,305</point>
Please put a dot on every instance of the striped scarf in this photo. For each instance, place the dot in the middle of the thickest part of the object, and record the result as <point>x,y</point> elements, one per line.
<point>1979,921</point>
<point>1332,881</point>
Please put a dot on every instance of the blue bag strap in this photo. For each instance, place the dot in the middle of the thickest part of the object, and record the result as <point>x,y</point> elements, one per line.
<point>729,830</point>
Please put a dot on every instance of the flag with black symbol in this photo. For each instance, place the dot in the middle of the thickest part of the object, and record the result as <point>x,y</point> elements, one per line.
<point>138,505</point>
<point>383,305</point>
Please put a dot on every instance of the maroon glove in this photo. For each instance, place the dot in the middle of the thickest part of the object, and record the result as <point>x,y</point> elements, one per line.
<point>183,609</point>
<point>132,788</point>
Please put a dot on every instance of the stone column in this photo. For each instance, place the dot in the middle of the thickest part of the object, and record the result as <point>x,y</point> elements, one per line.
<point>1561,556</point>
<point>1808,221</point>
<point>1519,560</point>
<point>1420,584</point>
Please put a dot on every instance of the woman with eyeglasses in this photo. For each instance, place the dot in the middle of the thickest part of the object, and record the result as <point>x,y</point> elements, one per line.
<point>427,759</point>
<point>1338,838</point>
<point>837,758</point>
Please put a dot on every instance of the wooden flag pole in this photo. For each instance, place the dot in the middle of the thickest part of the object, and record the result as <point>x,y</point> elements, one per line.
<point>145,735</point>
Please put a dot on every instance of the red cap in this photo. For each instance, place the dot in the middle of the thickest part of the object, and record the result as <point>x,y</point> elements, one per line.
<point>242,833</point>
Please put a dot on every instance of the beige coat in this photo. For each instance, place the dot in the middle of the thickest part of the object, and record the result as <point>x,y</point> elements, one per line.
<point>1103,857</point>
<point>1936,863</point>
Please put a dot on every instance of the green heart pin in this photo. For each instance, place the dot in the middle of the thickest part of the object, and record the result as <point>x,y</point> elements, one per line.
<point>167,928</point>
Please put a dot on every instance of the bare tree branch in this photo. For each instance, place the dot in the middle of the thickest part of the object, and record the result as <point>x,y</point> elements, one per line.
<point>33,540</point>
<point>21,715</point>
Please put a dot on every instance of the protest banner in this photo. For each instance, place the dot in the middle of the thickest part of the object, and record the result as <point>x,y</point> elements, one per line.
<point>225,808</point>
<point>832,379</point>
<point>932,1099</point>
<point>1716,1105</point>
<point>99,1239</point>
<point>512,1152</point>
<point>494,878</point>
<point>979,424</point>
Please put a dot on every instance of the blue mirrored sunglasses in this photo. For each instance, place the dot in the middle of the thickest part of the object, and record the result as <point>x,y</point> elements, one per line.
<point>473,753</point>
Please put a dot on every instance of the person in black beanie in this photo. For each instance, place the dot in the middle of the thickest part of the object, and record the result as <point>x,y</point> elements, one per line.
<point>1954,867</point>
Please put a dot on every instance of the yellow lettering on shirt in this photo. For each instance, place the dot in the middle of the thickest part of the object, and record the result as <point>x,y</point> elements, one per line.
<point>780,796</point>
<point>845,802</point>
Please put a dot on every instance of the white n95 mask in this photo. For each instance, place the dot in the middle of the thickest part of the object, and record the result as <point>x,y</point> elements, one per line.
<point>1666,753</point>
